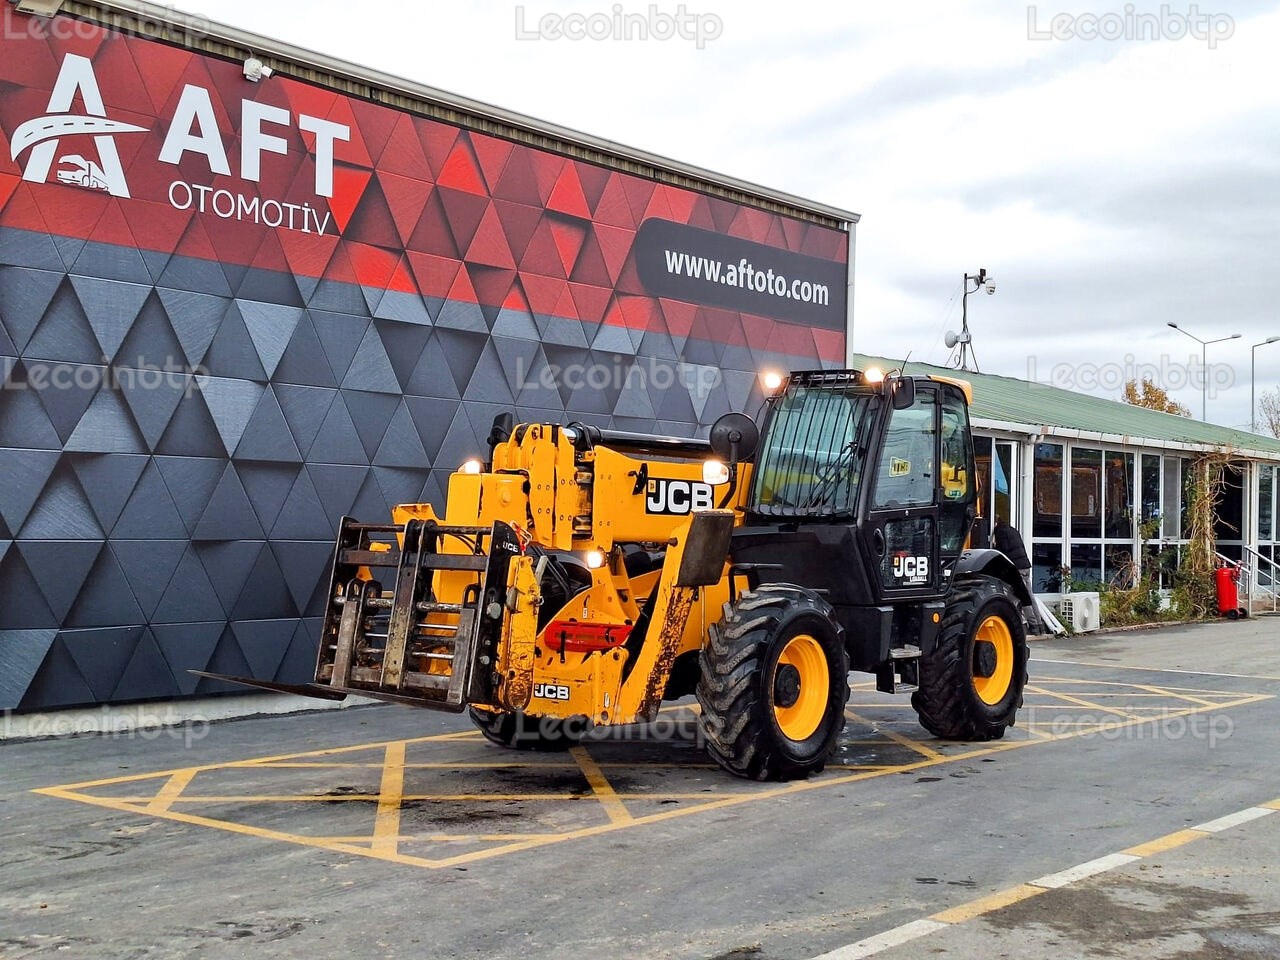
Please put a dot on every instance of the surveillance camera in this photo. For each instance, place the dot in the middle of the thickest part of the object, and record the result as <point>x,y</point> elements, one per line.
<point>255,70</point>
<point>991,287</point>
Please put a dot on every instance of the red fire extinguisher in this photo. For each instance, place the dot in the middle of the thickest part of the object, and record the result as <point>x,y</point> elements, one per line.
<point>1227,580</point>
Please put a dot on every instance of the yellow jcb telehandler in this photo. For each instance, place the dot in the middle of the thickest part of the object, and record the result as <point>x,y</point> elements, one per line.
<point>580,577</point>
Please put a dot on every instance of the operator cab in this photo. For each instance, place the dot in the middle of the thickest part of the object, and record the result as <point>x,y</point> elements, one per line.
<point>873,473</point>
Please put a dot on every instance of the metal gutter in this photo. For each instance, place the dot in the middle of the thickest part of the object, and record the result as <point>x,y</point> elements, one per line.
<point>1050,432</point>
<point>173,26</point>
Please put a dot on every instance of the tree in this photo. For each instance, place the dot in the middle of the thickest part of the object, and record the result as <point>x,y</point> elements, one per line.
<point>1155,398</point>
<point>1269,412</point>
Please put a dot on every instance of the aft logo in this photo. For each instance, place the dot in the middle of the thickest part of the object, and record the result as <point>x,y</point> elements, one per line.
<point>191,132</point>
<point>678,497</point>
<point>42,137</point>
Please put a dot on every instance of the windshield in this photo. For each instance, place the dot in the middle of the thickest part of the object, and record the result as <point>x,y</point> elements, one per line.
<point>812,458</point>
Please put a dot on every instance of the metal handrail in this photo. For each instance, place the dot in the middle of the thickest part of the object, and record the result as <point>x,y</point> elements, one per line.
<point>1272,571</point>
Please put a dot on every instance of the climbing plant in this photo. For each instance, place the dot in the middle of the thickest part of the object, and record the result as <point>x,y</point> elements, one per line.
<point>1194,592</point>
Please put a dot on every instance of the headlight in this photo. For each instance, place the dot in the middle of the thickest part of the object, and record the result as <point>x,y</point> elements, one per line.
<point>472,467</point>
<point>714,472</point>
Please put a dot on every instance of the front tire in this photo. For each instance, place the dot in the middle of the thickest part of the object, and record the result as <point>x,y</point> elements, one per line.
<point>774,681</point>
<point>971,683</point>
<point>517,731</point>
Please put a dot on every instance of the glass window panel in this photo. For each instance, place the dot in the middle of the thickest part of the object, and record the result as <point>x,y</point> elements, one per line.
<point>1046,567</point>
<point>1086,566</point>
<point>812,463</point>
<point>1151,489</point>
<point>1229,514</point>
<point>1086,494</point>
<point>1002,482</point>
<point>906,475</point>
<point>1048,490</point>
<point>1184,527</point>
<point>982,470</point>
<point>1171,527</point>
<point>1120,571</point>
<point>957,473</point>
<point>1118,497</point>
<point>1266,497</point>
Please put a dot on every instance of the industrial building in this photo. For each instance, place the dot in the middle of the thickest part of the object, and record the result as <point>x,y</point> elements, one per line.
<point>247,289</point>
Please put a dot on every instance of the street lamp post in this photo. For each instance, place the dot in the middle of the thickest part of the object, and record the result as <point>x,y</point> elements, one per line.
<point>1204,366</point>
<point>1253,379</point>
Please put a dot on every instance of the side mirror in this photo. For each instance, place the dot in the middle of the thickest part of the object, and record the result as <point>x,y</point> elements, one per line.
<point>902,391</point>
<point>734,438</point>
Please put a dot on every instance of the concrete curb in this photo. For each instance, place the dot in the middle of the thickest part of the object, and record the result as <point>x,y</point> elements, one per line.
<point>112,720</point>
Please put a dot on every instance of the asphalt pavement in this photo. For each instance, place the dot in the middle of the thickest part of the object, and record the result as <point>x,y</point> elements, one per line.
<point>383,831</point>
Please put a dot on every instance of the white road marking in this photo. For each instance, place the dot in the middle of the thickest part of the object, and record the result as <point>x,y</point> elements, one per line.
<point>1094,867</point>
<point>1233,820</point>
<point>883,941</point>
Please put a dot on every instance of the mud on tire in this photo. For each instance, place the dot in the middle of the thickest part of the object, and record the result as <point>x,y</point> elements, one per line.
<point>971,683</point>
<point>773,684</point>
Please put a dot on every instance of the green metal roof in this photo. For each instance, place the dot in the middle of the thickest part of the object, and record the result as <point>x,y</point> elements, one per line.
<point>1022,402</point>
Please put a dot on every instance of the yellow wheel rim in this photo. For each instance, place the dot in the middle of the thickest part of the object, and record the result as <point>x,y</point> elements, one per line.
<point>991,690</point>
<point>802,661</point>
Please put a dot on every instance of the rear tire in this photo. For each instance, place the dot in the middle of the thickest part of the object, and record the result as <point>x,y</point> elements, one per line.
<point>517,731</point>
<point>774,683</point>
<point>971,683</point>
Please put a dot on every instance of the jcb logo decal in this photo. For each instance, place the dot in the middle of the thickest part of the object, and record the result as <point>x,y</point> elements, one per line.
<point>911,569</point>
<point>550,691</point>
<point>678,497</point>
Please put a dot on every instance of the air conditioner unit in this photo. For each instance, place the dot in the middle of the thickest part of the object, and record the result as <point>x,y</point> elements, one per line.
<point>1081,611</point>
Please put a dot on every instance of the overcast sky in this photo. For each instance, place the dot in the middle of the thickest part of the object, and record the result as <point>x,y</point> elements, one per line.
<point>1110,186</point>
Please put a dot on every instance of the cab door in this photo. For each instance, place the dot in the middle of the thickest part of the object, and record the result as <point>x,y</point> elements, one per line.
<point>901,529</point>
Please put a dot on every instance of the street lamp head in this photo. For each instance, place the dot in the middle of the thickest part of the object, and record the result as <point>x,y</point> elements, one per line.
<point>1172,324</point>
<point>1271,339</point>
<point>1235,336</point>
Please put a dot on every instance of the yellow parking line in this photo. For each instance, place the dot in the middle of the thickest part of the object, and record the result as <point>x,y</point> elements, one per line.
<point>1177,696</point>
<point>386,843</point>
<point>1082,703</point>
<point>601,787</point>
<point>1273,805</point>
<point>386,827</point>
<point>171,791</point>
<point>901,739</point>
<point>989,904</point>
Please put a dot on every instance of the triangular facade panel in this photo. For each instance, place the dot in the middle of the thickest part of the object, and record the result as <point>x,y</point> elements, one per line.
<point>147,675</point>
<point>148,567</point>
<point>264,644</point>
<point>60,568</point>
<point>186,647</point>
<point>21,654</point>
